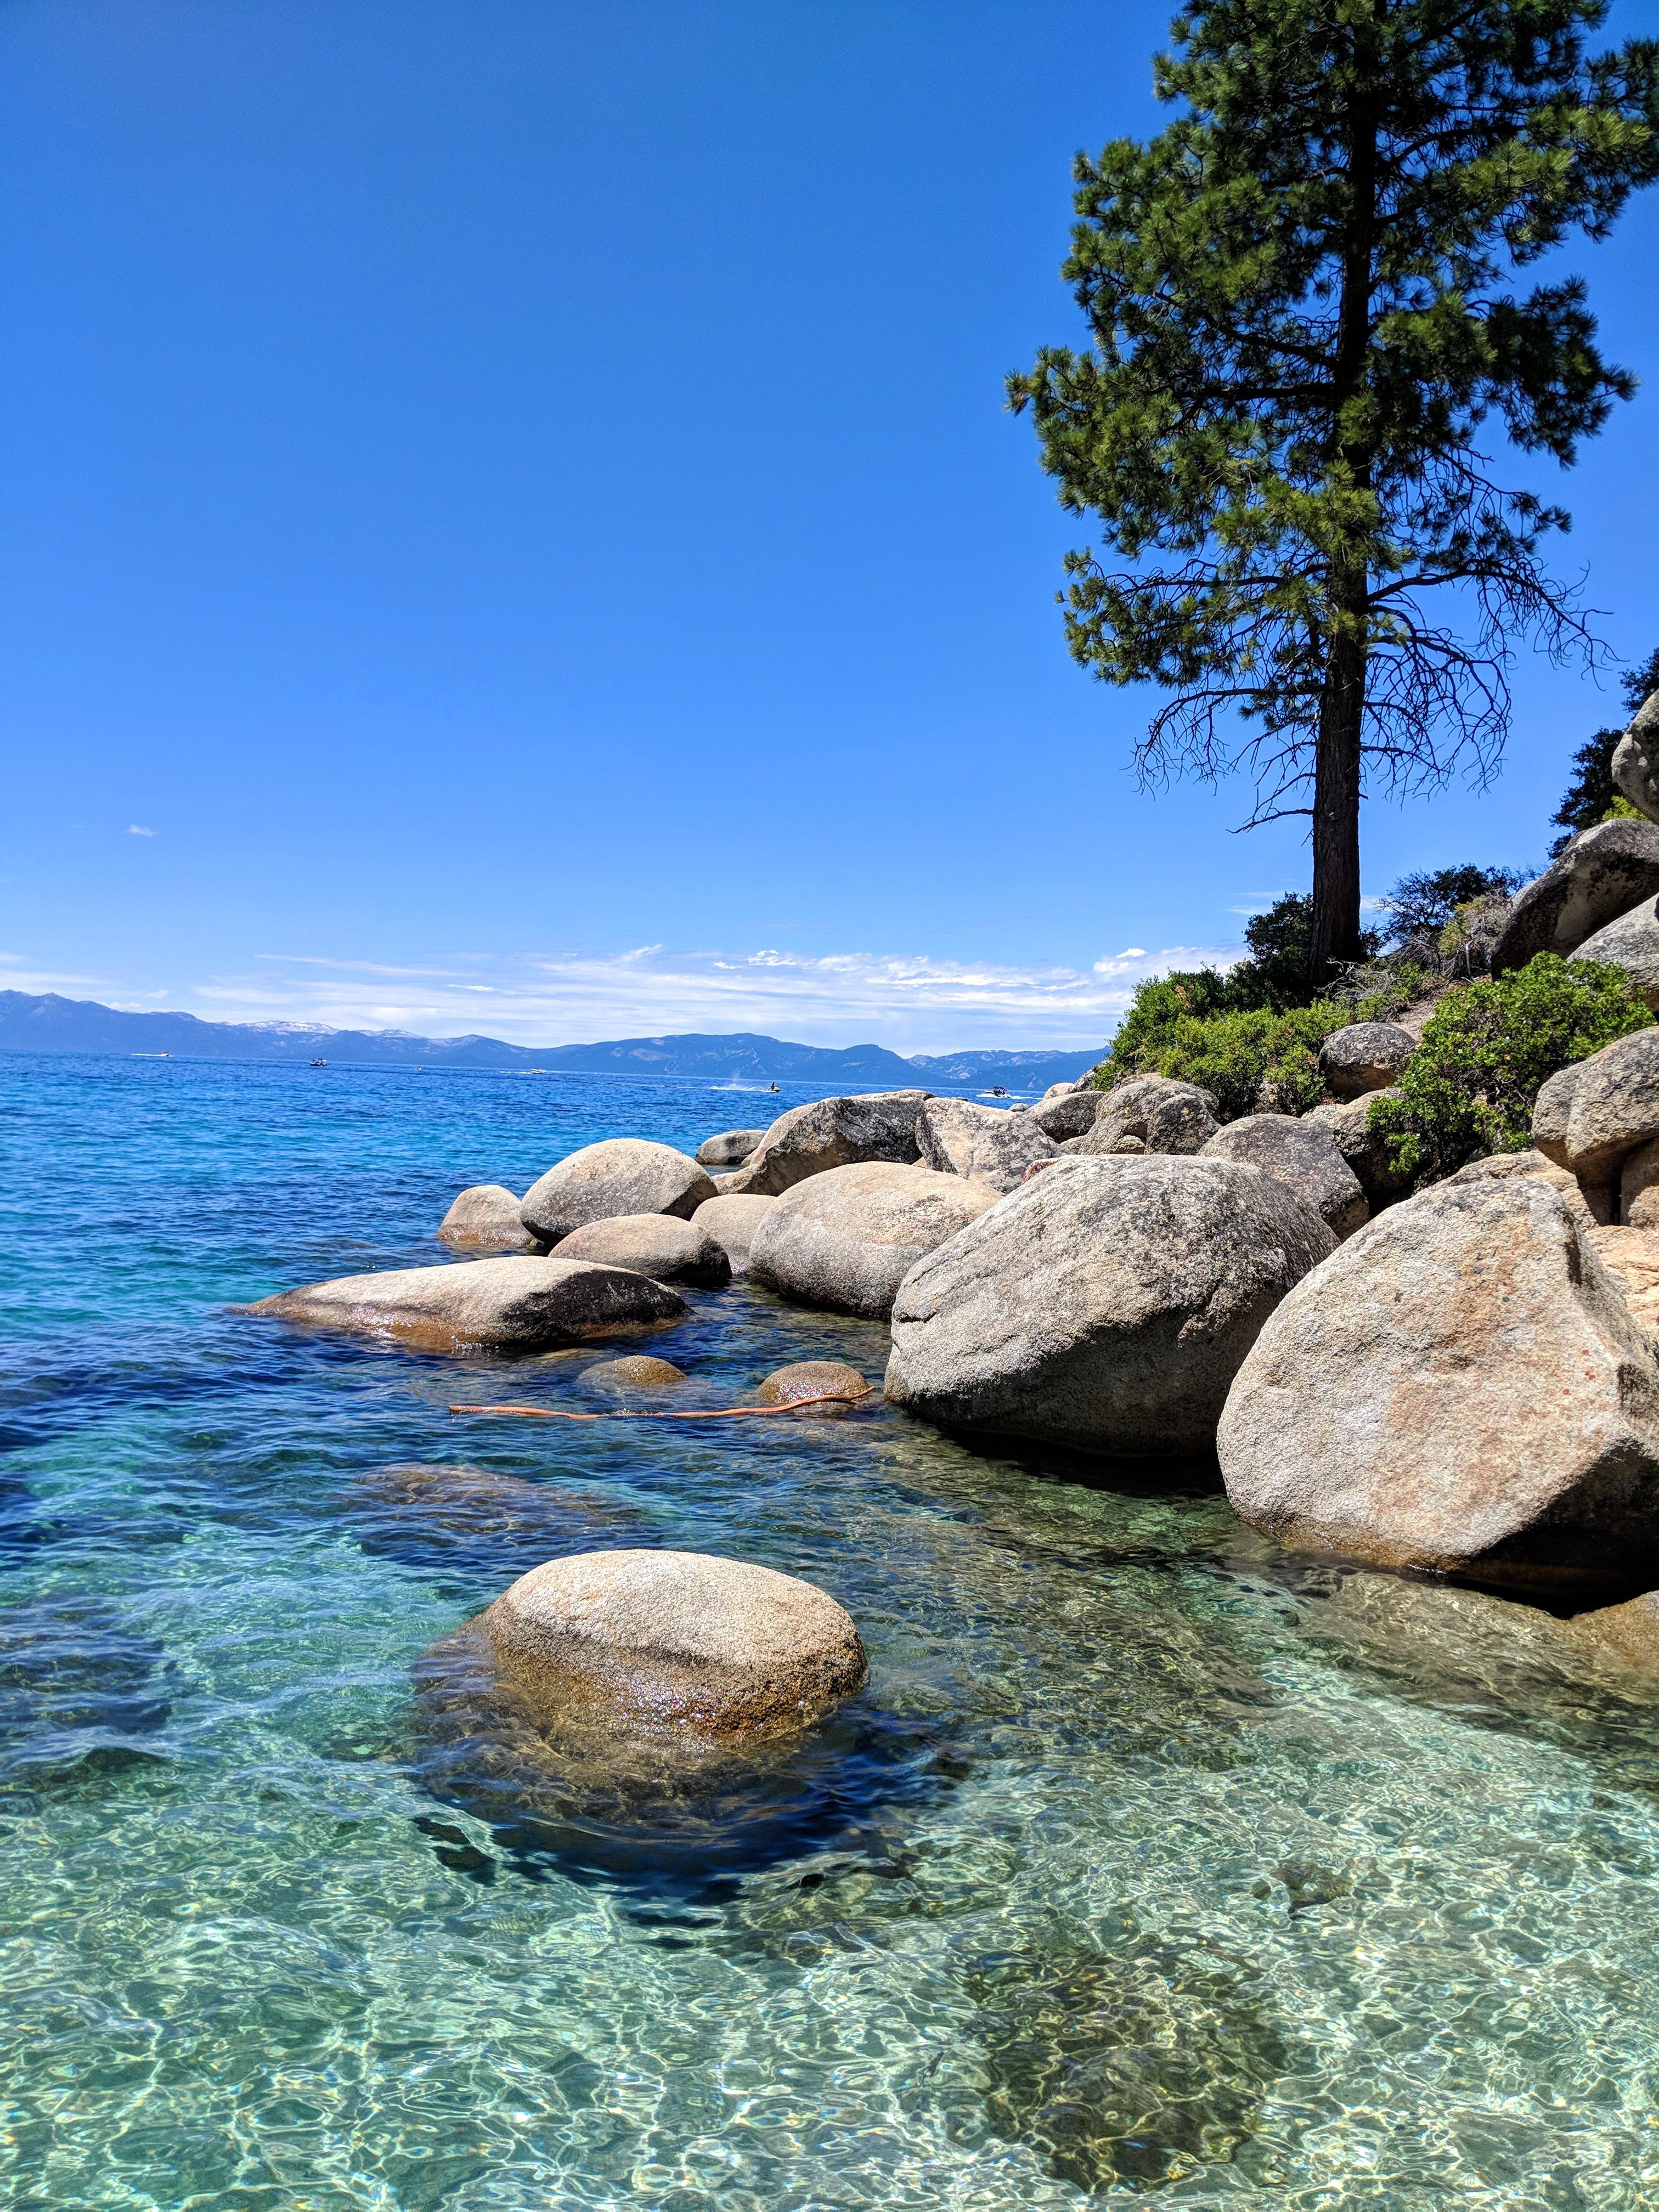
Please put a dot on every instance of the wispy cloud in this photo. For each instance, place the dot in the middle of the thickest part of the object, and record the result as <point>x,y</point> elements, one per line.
<point>137,830</point>
<point>914,1002</point>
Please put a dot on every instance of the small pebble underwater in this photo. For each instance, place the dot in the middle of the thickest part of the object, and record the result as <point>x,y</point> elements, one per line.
<point>1148,1863</point>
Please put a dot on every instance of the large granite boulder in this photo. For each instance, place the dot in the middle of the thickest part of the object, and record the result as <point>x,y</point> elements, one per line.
<point>847,1238</point>
<point>620,1175</point>
<point>1631,1256</point>
<point>1636,756</point>
<point>1552,1110</point>
<point>729,1149</point>
<point>1151,1114</point>
<point>1105,1304</point>
<point>1631,943</point>
<point>1461,1388</point>
<point>657,1244</point>
<point>1066,1089</point>
<point>733,1222</point>
<point>484,1218</point>
<point>1303,1156</point>
<point>830,1133</point>
<point>1365,1056</point>
<point>1638,1186</point>
<point>1614,1107</point>
<point>958,1138</point>
<point>658,1641</point>
<point>1500,1167</point>
<point>1605,872</point>
<point>511,1304</point>
<point>1070,1114</point>
<point>1349,1126</point>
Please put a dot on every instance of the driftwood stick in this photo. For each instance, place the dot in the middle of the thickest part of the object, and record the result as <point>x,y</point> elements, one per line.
<point>630,1413</point>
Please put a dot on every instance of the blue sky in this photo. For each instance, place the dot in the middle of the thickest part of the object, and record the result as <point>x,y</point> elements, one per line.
<point>512,526</point>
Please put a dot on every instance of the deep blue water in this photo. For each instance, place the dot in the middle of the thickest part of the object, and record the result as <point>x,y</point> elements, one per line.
<point>1149,1862</point>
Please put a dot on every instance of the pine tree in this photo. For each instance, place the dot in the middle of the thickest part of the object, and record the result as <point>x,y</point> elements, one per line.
<point>1297,300</point>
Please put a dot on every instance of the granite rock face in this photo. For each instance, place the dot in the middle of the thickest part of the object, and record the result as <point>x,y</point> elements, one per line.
<point>1638,1187</point>
<point>1500,1167</point>
<point>1072,1113</point>
<point>1349,1126</point>
<point>621,1174</point>
<point>830,1133</point>
<point>733,1222</point>
<point>729,1149</point>
<point>956,1137</point>
<point>1552,1110</point>
<point>509,1304</point>
<point>1105,1304</point>
<point>484,1218</point>
<point>1461,1388</point>
<point>1631,943</point>
<point>847,1238</point>
<point>1615,1106</point>
<point>1636,757</point>
<point>1631,1256</point>
<point>659,1640</point>
<point>1365,1056</point>
<point>657,1244</point>
<point>1303,1156</point>
<point>1606,870</point>
<point>1156,1113</point>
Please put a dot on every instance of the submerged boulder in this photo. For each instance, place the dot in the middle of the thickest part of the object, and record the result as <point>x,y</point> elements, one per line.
<point>840,1387</point>
<point>1460,1388</point>
<point>847,1238</point>
<point>830,1133</point>
<point>1105,1304</point>
<point>620,1175</point>
<point>637,1370</point>
<point>1365,1056</point>
<point>956,1137</point>
<point>1606,870</point>
<point>484,1218</point>
<point>659,1244</point>
<point>1303,1156</point>
<point>729,1149</point>
<point>509,1304</point>
<point>647,1640</point>
<point>732,1223</point>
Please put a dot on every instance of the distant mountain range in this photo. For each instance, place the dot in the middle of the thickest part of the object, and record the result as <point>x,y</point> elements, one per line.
<point>50,1024</point>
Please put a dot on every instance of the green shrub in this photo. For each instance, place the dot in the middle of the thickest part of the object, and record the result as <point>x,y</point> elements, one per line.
<point>1180,1025</point>
<point>1486,1050</point>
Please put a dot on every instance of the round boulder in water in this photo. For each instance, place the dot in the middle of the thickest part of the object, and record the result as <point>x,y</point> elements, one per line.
<point>655,1244</point>
<point>630,1640</point>
<point>807,1379</point>
<point>638,1372</point>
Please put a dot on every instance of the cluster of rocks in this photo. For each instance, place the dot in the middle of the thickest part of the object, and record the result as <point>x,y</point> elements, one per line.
<point>1600,900</point>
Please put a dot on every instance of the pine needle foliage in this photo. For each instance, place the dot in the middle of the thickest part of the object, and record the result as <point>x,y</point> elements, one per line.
<point>1300,298</point>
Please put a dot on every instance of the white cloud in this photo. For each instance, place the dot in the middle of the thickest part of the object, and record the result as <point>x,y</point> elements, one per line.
<point>911,1002</point>
<point>137,830</point>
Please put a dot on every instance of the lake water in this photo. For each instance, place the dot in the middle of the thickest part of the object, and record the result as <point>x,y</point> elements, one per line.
<point>1149,1864</point>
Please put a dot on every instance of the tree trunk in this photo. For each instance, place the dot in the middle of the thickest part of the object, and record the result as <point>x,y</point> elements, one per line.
<point>1336,937</point>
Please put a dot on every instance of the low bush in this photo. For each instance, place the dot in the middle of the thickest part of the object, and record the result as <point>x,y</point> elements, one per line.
<point>1180,1026</point>
<point>1486,1050</point>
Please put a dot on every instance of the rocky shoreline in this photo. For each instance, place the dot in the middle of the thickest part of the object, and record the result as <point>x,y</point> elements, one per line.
<point>1459,1381</point>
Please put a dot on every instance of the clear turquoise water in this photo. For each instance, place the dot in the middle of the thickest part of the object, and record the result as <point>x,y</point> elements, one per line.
<point>1148,1863</point>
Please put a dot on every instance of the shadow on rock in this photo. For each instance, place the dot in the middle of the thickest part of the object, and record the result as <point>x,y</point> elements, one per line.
<point>77,1693</point>
<point>1133,2066</point>
<point>466,1521</point>
<point>676,1818</point>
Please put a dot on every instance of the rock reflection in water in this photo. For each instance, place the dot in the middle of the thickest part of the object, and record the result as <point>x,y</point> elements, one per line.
<point>75,1689</point>
<point>669,1814</point>
<point>1135,2065</point>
